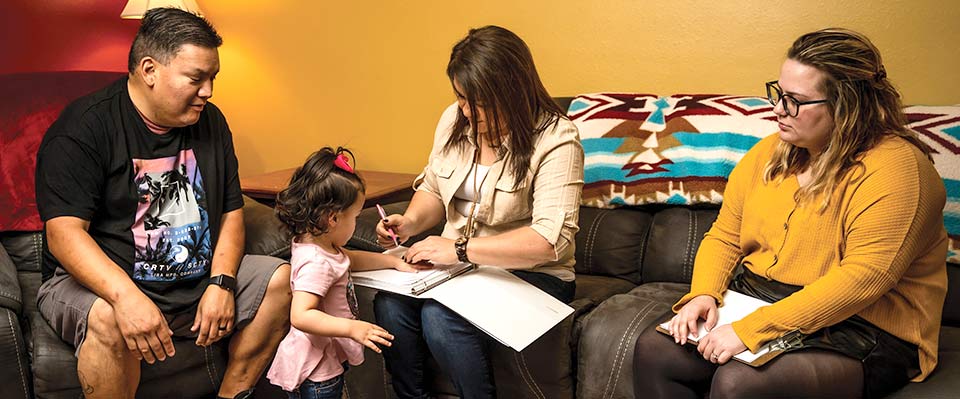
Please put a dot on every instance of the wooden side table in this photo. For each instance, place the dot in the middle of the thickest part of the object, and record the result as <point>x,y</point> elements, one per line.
<point>382,187</point>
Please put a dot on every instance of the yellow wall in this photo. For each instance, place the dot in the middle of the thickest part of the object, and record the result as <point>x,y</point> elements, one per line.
<point>300,74</point>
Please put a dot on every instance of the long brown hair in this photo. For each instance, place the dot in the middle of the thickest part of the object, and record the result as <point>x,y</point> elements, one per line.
<point>865,107</point>
<point>494,68</point>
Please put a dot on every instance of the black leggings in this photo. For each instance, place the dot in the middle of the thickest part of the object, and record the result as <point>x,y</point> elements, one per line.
<point>664,369</point>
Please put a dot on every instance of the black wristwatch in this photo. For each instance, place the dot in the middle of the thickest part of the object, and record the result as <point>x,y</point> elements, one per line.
<point>461,246</point>
<point>224,281</point>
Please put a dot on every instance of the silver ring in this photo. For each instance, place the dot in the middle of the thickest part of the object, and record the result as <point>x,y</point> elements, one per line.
<point>222,327</point>
<point>714,356</point>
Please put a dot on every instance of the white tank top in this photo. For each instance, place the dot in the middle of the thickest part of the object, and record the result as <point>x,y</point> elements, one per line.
<point>466,196</point>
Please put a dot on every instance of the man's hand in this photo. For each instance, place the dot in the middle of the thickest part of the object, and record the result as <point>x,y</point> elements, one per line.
<point>215,315</point>
<point>369,335</point>
<point>143,328</point>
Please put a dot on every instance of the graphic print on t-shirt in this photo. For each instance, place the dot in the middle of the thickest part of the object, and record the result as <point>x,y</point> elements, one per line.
<point>171,232</point>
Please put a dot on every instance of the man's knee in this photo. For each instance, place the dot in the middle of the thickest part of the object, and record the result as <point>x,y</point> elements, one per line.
<point>278,290</point>
<point>102,329</point>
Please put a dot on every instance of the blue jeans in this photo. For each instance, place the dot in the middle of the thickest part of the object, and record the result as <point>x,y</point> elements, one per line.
<point>423,326</point>
<point>329,389</point>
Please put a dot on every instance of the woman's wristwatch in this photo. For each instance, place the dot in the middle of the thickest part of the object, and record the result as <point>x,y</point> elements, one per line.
<point>461,247</point>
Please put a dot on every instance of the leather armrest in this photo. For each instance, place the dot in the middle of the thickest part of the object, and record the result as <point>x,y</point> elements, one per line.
<point>9,286</point>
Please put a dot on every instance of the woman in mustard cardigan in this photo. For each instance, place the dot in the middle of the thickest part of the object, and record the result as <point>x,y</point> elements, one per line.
<point>837,220</point>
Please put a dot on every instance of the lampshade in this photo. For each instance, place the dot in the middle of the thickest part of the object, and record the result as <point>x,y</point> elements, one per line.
<point>136,8</point>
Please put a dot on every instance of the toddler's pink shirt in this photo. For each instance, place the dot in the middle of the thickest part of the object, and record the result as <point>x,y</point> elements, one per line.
<point>303,356</point>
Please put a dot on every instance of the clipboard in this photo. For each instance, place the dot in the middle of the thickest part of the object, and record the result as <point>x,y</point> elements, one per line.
<point>500,304</point>
<point>407,283</point>
<point>735,307</point>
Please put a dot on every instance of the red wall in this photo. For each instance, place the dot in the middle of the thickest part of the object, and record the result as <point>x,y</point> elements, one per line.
<point>64,35</point>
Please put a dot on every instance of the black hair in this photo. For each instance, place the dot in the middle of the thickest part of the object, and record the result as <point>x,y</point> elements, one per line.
<point>162,32</point>
<point>317,190</point>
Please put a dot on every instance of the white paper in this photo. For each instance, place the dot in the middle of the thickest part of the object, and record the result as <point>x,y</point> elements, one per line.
<point>507,308</point>
<point>499,303</point>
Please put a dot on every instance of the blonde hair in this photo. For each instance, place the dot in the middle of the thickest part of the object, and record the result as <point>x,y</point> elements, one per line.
<point>865,107</point>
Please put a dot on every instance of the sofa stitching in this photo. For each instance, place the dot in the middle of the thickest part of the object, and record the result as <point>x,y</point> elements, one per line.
<point>588,250</point>
<point>693,243</point>
<point>618,360</point>
<point>643,251</point>
<point>38,250</point>
<point>527,377</point>
<point>591,238</point>
<point>9,294</point>
<point>210,373</point>
<point>686,254</point>
<point>16,344</point>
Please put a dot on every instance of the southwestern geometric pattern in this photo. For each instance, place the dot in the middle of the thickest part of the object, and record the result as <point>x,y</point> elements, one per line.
<point>939,127</point>
<point>641,148</point>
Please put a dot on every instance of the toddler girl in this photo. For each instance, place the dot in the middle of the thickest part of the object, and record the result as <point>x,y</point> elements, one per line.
<point>320,208</point>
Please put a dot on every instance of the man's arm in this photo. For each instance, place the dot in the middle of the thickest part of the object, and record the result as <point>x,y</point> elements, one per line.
<point>217,308</point>
<point>140,321</point>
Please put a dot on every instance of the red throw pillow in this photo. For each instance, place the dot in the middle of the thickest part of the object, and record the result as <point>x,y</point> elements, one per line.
<point>29,104</point>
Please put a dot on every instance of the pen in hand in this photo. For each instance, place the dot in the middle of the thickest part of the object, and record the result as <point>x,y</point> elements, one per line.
<point>383,216</point>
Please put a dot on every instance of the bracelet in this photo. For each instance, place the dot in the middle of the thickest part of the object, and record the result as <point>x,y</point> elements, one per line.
<point>461,246</point>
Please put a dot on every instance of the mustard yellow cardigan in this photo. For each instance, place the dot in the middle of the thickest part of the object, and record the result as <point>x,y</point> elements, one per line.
<point>878,250</point>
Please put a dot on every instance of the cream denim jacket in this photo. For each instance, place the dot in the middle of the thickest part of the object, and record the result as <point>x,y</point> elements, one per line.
<point>548,200</point>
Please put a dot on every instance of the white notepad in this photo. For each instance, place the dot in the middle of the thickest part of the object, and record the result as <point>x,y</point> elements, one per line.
<point>735,307</point>
<point>494,300</point>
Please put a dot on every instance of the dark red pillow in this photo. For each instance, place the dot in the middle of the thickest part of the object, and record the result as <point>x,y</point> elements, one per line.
<point>29,103</point>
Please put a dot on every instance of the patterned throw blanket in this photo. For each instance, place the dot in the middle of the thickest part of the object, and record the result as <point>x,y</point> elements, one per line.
<point>643,148</point>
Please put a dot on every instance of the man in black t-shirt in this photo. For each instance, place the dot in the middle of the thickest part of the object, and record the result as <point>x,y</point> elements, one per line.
<point>138,187</point>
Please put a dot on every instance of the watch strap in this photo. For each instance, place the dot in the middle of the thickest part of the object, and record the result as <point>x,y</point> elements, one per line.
<point>226,282</point>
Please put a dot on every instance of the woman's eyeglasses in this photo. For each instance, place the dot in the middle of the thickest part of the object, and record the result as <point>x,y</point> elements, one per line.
<point>790,104</point>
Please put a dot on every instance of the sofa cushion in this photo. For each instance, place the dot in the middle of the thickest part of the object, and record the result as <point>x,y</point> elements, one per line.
<point>641,148</point>
<point>29,103</point>
<point>939,127</point>
<point>945,378</point>
<point>611,242</point>
<point>265,235</point>
<point>672,245</point>
<point>605,347</point>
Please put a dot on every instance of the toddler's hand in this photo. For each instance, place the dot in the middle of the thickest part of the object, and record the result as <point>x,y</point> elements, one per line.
<point>370,335</point>
<point>403,266</point>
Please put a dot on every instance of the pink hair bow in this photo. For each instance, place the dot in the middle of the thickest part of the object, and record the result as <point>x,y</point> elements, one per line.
<point>343,163</point>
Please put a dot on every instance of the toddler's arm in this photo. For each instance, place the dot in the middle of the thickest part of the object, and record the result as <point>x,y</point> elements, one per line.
<point>365,260</point>
<point>306,316</point>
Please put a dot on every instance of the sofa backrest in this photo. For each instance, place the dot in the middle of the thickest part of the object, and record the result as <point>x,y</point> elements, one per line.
<point>642,244</point>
